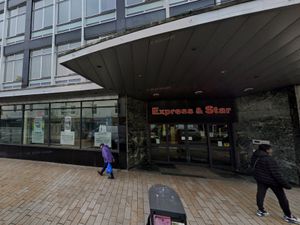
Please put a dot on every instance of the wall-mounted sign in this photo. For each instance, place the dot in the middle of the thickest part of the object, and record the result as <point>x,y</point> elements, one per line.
<point>190,111</point>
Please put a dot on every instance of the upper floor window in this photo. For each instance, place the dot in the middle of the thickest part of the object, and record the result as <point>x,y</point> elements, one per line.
<point>94,7</point>
<point>16,21</point>
<point>134,2</point>
<point>61,70</point>
<point>1,25</point>
<point>42,16</point>
<point>40,64</point>
<point>13,68</point>
<point>69,10</point>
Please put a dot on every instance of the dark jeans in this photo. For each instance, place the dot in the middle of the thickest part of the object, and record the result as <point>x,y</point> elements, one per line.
<point>278,191</point>
<point>104,168</point>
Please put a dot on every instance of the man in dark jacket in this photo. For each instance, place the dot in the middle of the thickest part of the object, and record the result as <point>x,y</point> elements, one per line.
<point>267,175</point>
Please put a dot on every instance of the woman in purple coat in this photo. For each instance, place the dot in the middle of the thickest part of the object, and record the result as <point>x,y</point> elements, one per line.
<point>108,159</point>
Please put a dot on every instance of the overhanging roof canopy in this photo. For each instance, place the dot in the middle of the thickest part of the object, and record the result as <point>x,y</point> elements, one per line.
<point>223,58</point>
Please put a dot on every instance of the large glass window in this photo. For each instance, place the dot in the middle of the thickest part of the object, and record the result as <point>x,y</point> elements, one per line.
<point>69,10</point>
<point>65,124</point>
<point>40,64</point>
<point>61,70</point>
<point>16,21</point>
<point>13,68</point>
<point>11,121</point>
<point>36,124</point>
<point>42,16</point>
<point>100,124</point>
<point>94,7</point>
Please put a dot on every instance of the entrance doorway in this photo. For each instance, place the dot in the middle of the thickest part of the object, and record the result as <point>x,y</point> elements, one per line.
<point>192,143</point>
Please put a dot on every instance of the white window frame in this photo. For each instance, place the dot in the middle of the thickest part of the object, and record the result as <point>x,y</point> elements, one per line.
<point>16,16</point>
<point>43,8</point>
<point>69,12</point>
<point>100,11</point>
<point>40,53</point>
<point>14,59</point>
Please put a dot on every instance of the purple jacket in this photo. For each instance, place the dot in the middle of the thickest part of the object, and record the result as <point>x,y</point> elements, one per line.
<point>106,154</point>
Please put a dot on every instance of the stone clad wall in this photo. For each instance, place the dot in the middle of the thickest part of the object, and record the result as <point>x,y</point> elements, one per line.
<point>268,116</point>
<point>137,132</point>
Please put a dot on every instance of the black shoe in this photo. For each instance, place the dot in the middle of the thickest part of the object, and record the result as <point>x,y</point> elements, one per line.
<point>101,174</point>
<point>111,177</point>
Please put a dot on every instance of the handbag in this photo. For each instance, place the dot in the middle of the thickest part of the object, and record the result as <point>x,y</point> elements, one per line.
<point>109,168</point>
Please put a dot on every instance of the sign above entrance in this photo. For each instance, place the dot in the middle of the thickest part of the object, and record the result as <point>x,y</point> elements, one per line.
<point>190,111</point>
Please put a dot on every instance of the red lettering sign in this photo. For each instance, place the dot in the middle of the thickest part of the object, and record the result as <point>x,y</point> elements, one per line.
<point>209,110</point>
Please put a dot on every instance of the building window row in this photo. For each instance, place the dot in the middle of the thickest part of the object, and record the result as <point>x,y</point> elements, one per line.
<point>71,124</point>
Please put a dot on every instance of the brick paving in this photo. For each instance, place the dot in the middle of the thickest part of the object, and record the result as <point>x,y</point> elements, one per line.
<point>39,193</point>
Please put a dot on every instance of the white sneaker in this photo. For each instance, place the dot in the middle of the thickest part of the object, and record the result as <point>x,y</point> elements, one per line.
<point>262,213</point>
<point>291,219</point>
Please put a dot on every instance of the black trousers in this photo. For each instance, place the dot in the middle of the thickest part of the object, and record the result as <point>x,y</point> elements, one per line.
<point>278,191</point>
<point>104,168</point>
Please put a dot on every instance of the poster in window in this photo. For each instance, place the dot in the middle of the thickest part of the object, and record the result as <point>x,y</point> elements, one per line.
<point>67,123</point>
<point>67,137</point>
<point>102,137</point>
<point>37,136</point>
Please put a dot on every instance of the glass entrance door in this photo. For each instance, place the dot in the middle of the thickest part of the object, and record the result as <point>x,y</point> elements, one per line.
<point>191,143</point>
<point>177,143</point>
<point>220,148</point>
<point>197,143</point>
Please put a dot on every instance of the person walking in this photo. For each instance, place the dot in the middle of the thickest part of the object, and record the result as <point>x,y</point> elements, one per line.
<point>267,175</point>
<point>108,160</point>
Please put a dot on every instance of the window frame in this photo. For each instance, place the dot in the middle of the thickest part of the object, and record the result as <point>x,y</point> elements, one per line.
<point>13,60</point>
<point>10,17</point>
<point>43,9</point>
<point>40,53</point>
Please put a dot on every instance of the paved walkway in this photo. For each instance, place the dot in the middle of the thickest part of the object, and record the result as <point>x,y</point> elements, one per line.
<point>47,193</point>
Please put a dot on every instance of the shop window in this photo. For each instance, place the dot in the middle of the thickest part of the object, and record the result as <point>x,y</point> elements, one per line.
<point>36,124</point>
<point>100,124</point>
<point>40,64</point>
<point>69,10</point>
<point>65,124</point>
<point>158,133</point>
<point>11,121</point>
<point>42,16</point>
<point>95,7</point>
<point>16,21</point>
<point>61,70</point>
<point>13,68</point>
